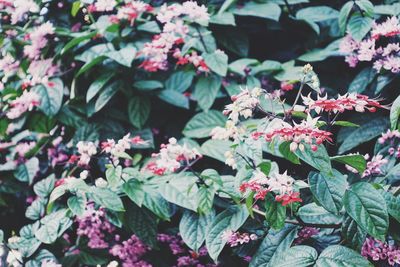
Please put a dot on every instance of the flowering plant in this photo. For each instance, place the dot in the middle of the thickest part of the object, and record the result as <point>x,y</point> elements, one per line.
<point>155,133</point>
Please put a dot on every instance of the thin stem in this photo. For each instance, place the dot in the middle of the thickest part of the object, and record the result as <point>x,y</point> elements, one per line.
<point>289,8</point>
<point>250,163</point>
<point>297,96</point>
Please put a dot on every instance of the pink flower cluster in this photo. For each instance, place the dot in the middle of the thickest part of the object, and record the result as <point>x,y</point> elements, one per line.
<point>373,166</point>
<point>171,157</point>
<point>9,65</point>
<point>86,151</point>
<point>280,184</point>
<point>391,136</point>
<point>26,102</point>
<point>18,9</point>
<point>132,10</point>
<point>306,131</point>
<point>185,257</point>
<point>40,71</point>
<point>383,57</point>
<point>38,38</point>
<point>380,251</point>
<point>349,101</point>
<point>104,5</point>
<point>235,238</point>
<point>305,233</point>
<point>130,252</point>
<point>116,149</point>
<point>24,147</point>
<point>243,104</point>
<point>94,225</point>
<point>174,32</point>
<point>56,153</point>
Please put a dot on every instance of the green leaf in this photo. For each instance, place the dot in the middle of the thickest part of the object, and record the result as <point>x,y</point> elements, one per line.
<point>106,95</point>
<point>77,40</point>
<point>206,90</point>
<point>150,26</point>
<point>76,6</point>
<point>314,14</point>
<point>36,210</point>
<point>77,204</point>
<point>157,204</point>
<point>339,256</point>
<point>263,10</point>
<point>143,223</point>
<point>124,56</point>
<point>97,85</point>
<point>361,81</point>
<point>230,219</point>
<point>284,149</point>
<point>225,18</point>
<point>368,208</point>
<point>329,191</point>
<point>394,113</point>
<point>299,256</point>
<point>366,6</point>
<point>134,190</point>
<point>148,85</point>
<point>216,149</point>
<point>113,175</point>
<point>312,213</point>
<point>364,133</point>
<point>319,54</point>
<point>217,62</point>
<point>193,228</point>
<point>240,65</point>
<point>44,187</point>
<point>201,124</point>
<point>343,15</point>
<point>27,171</point>
<point>179,81</point>
<point>358,162</point>
<point>358,26</point>
<point>51,95</point>
<point>393,205</point>
<point>106,198</point>
<point>89,65</point>
<point>345,124</point>
<point>352,234</point>
<point>274,243</point>
<point>275,213</point>
<point>138,111</point>
<point>235,41</point>
<point>318,159</point>
<point>175,98</point>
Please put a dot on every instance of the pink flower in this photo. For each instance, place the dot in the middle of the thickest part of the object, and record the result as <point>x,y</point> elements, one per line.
<point>390,27</point>
<point>21,8</point>
<point>374,165</point>
<point>40,71</point>
<point>22,148</point>
<point>38,40</point>
<point>86,150</point>
<point>131,10</point>
<point>366,50</point>
<point>26,102</point>
<point>9,66</point>
<point>235,238</point>
<point>349,101</point>
<point>130,252</point>
<point>105,5</point>
<point>377,250</point>
<point>287,199</point>
<point>305,233</point>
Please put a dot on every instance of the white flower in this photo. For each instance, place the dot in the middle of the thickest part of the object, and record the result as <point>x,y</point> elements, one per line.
<point>113,264</point>
<point>101,183</point>
<point>84,174</point>
<point>105,5</point>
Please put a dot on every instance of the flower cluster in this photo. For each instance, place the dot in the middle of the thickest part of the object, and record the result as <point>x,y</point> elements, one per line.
<point>9,65</point>
<point>243,104</point>
<point>93,225</point>
<point>132,10</point>
<point>116,149</point>
<point>383,57</point>
<point>38,38</point>
<point>86,150</point>
<point>280,184</point>
<point>26,102</point>
<point>391,137</point>
<point>235,238</point>
<point>130,252</point>
<point>377,250</point>
<point>305,233</point>
<point>306,131</point>
<point>171,157</point>
<point>174,32</point>
<point>19,9</point>
<point>185,257</point>
<point>373,166</point>
<point>349,101</point>
<point>40,71</point>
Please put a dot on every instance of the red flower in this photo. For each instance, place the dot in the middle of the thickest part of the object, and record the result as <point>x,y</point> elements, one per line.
<point>289,198</point>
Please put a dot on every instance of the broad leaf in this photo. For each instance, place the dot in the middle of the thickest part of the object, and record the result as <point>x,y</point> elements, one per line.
<point>201,124</point>
<point>206,90</point>
<point>138,111</point>
<point>106,198</point>
<point>358,162</point>
<point>51,95</point>
<point>339,256</point>
<point>299,256</point>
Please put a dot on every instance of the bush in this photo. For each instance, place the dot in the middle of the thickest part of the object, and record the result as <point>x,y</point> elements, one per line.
<point>199,134</point>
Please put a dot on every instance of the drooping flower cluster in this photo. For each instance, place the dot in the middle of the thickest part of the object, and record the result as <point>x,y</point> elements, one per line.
<point>130,252</point>
<point>243,104</point>
<point>18,9</point>
<point>26,102</point>
<point>185,256</point>
<point>235,238</point>
<point>174,32</point>
<point>349,101</point>
<point>93,225</point>
<point>384,57</point>
<point>377,250</point>
<point>86,151</point>
<point>38,38</point>
<point>305,233</point>
<point>116,149</point>
<point>280,184</point>
<point>171,157</point>
<point>306,131</point>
